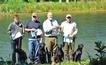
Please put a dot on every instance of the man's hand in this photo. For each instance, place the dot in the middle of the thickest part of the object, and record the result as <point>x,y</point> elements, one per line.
<point>70,35</point>
<point>54,27</point>
<point>33,29</point>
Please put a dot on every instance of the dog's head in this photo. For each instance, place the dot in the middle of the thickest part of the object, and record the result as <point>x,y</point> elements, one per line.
<point>80,46</point>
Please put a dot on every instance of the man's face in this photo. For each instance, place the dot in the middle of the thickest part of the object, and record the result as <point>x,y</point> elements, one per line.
<point>50,16</point>
<point>34,18</point>
<point>16,20</point>
<point>68,19</point>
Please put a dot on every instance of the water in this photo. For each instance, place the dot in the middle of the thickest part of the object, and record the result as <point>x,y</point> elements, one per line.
<point>91,28</point>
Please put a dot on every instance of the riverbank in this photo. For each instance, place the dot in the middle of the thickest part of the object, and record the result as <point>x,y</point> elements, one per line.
<point>59,12</point>
<point>56,7</point>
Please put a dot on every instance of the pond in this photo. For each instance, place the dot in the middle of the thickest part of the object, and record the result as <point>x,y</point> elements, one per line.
<point>91,28</point>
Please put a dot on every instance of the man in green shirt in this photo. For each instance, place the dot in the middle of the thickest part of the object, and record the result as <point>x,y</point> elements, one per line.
<point>15,31</point>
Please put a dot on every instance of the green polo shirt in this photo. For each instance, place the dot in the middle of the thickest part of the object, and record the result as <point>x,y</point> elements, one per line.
<point>13,28</point>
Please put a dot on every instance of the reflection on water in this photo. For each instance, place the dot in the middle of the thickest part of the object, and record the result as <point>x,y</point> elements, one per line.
<point>91,28</point>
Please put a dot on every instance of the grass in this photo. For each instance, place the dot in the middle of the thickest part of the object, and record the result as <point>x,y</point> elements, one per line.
<point>62,63</point>
<point>86,62</point>
<point>22,7</point>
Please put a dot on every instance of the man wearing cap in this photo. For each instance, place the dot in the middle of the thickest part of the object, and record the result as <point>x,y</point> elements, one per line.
<point>32,27</point>
<point>16,31</point>
<point>50,27</point>
<point>69,30</point>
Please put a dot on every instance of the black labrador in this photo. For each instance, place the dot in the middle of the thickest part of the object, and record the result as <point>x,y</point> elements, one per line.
<point>42,54</point>
<point>59,54</point>
<point>22,56</point>
<point>77,54</point>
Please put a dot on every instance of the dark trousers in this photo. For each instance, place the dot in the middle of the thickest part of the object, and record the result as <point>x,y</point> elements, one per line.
<point>15,44</point>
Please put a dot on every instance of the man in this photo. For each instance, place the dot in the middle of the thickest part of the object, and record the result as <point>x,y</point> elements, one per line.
<point>69,30</point>
<point>32,27</point>
<point>50,27</point>
<point>16,31</point>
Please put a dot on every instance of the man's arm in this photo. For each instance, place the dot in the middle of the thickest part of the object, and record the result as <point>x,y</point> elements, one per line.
<point>10,29</point>
<point>62,27</point>
<point>74,31</point>
<point>28,30</point>
<point>46,28</point>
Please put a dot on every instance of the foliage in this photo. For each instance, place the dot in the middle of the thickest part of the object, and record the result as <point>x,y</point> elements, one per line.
<point>100,55</point>
<point>3,62</point>
<point>23,7</point>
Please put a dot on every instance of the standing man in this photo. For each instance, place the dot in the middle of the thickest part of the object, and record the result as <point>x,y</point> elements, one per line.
<point>32,27</point>
<point>50,27</point>
<point>16,31</point>
<point>69,30</point>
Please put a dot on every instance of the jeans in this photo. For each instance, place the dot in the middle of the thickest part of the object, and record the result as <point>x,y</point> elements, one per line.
<point>33,50</point>
<point>15,44</point>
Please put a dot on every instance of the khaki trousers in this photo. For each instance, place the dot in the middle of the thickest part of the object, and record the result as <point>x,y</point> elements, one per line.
<point>68,51</point>
<point>51,45</point>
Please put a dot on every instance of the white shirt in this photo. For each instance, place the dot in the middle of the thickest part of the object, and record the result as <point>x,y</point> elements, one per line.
<point>47,27</point>
<point>68,28</point>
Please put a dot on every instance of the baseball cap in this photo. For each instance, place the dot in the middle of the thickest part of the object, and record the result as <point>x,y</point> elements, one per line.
<point>68,15</point>
<point>34,15</point>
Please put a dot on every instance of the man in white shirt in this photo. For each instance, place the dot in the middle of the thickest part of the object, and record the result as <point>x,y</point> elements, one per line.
<point>50,27</point>
<point>69,31</point>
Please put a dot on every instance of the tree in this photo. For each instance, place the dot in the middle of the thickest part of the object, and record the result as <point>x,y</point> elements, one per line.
<point>60,1</point>
<point>67,1</point>
<point>26,0</point>
<point>100,58</point>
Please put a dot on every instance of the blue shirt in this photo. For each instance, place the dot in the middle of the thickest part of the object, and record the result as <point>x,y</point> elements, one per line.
<point>30,25</point>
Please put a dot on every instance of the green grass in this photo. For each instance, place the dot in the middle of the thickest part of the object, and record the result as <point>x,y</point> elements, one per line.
<point>62,63</point>
<point>22,7</point>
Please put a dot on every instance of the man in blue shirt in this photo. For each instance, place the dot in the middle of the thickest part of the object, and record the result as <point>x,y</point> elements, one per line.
<point>31,27</point>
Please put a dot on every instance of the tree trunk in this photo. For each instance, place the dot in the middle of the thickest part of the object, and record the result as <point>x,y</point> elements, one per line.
<point>60,1</point>
<point>67,1</point>
<point>75,0</point>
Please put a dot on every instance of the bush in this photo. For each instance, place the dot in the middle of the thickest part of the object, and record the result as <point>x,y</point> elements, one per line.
<point>100,55</point>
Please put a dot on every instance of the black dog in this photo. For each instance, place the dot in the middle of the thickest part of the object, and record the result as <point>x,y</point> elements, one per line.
<point>22,56</point>
<point>77,54</point>
<point>59,54</point>
<point>42,54</point>
<point>45,56</point>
